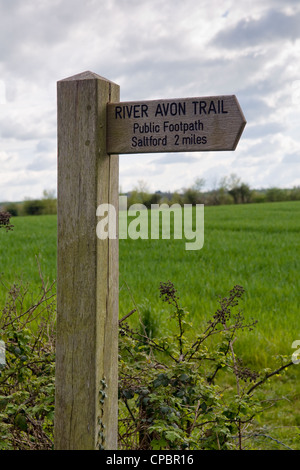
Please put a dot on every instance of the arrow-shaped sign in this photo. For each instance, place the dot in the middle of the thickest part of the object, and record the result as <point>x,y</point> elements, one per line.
<point>179,125</point>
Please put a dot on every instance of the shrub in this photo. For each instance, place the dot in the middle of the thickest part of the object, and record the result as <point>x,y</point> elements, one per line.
<point>168,391</point>
<point>169,397</point>
<point>27,376</point>
<point>258,196</point>
<point>295,193</point>
<point>12,208</point>
<point>192,196</point>
<point>33,207</point>
<point>276,194</point>
<point>45,206</point>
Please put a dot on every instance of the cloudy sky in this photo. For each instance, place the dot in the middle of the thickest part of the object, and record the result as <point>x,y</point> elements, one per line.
<point>153,49</point>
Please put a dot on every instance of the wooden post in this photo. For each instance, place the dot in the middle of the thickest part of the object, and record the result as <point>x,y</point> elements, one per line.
<point>86,407</point>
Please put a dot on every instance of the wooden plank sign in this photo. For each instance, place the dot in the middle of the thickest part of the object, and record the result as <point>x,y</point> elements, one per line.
<point>178,125</point>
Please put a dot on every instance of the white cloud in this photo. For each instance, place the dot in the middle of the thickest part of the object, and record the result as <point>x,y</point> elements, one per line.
<point>273,26</point>
<point>152,49</point>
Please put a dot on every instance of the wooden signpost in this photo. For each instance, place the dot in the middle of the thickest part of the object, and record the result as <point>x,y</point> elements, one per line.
<point>181,125</point>
<point>93,128</point>
<point>86,401</point>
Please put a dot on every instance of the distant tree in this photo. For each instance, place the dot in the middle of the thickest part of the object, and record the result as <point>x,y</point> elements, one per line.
<point>191,196</point>
<point>295,193</point>
<point>235,193</point>
<point>49,194</point>
<point>141,195</point>
<point>199,184</point>
<point>245,193</point>
<point>12,208</point>
<point>240,192</point>
<point>275,194</point>
<point>177,198</point>
<point>33,207</point>
<point>150,199</point>
<point>258,196</point>
<point>49,202</point>
<point>219,194</point>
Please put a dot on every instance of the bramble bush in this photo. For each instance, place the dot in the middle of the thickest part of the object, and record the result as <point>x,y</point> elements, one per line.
<point>168,390</point>
<point>168,395</point>
<point>27,329</point>
<point>27,377</point>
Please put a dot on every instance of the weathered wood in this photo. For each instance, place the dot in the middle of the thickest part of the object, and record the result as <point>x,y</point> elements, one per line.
<point>87,284</point>
<point>178,125</point>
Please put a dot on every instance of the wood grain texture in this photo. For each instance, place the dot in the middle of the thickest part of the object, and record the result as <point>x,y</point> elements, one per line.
<point>87,284</point>
<point>179,125</point>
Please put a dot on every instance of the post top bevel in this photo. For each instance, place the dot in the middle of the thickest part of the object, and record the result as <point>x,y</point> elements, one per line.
<point>87,75</point>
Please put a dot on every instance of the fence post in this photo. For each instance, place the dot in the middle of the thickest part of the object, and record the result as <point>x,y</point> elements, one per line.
<point>86,399</point>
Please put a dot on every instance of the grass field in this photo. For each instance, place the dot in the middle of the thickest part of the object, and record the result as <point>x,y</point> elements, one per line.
<point>256,246</point>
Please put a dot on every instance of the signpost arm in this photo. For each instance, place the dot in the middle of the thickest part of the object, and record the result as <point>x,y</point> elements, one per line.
<point>86,397</point>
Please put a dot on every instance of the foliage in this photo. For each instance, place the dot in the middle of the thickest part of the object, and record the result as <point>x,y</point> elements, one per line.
<point>44,206</point>
<point>33,207</point>
<point>169,397</point>
<point>13,208</point>
<point>228,190</point>
<point>168,390</point>
<point>27,376</point>
<point>5,220</point>
<point>47,205</point>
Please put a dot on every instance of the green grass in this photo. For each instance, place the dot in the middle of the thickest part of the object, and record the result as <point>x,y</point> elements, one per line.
<point>31,243</point>
<point>256,246</point>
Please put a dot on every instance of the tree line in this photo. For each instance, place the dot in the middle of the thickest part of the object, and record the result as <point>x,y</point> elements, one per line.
<point>229,190</point>
<point>46,205</point>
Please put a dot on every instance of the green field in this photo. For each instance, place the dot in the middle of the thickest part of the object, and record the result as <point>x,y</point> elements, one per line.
<point>256,246</point>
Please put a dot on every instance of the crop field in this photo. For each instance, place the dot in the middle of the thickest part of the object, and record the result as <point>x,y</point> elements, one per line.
<point>256,246</point>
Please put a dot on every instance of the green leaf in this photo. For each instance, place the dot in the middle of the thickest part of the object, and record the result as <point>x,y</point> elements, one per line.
<point>172,436</point>
<point>128,394</point>
<point>158,444</point>
<point>203,406</point>
<point>164,409</point>
<point>21,422</point>
<point>184,377</point>
<point>3,402</point>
